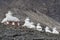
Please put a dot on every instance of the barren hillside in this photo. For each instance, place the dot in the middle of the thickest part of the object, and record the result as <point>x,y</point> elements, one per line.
<point>44,11</point>
<point>38,10</point>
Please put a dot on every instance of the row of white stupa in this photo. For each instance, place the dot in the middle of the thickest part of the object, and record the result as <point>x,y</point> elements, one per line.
<point>27,23</point>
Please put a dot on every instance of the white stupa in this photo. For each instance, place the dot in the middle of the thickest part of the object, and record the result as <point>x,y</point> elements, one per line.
<point>47,29</point>
<point>27,20</point>
<point>9,17</point>
<point>29,24</point>
<point>55,31</point>
<point>38,27</point>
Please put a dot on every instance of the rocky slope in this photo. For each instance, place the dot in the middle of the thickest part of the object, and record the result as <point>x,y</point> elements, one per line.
<point>47,10</point>
<point>20,33</point>
<point>44,11</point>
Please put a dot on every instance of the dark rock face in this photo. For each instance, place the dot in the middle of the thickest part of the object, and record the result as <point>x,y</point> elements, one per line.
<point>53,9</point>
<point>48,7</point>
<point>7,33</point>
